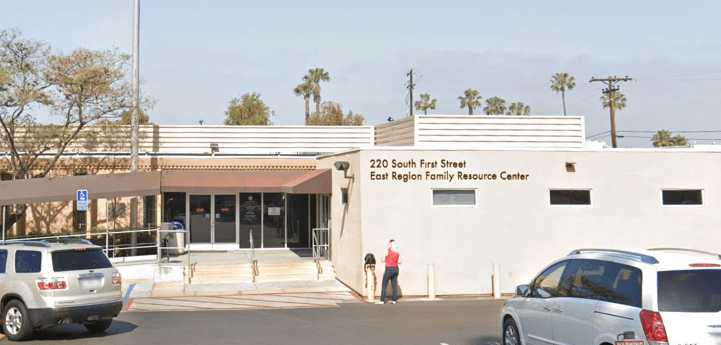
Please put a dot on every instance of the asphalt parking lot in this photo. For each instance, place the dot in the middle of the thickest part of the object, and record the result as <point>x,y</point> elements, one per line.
<point>452,322</point>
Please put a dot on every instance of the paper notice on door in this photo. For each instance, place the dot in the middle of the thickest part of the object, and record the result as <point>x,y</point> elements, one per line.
<point>274,211</point>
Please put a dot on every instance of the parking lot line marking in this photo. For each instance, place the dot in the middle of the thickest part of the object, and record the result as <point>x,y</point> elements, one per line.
<point>127,301</point>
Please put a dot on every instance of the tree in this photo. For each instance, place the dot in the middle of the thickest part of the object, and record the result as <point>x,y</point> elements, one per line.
<point>82,88</point>
<point>664,138</point>
<point>471,99</point>
<point>248,110</point>
<point>426,103</point>
<point>331,114</point>
<point>618,99</point>
<point>315,76</point>
<point>495,106</point>
<point>126,118</point>
<point>562,82</point>
<point>518,108</point>
<point>305,89</point>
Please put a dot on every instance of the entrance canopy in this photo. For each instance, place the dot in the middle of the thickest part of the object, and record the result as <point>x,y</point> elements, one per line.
<point>63,188</point>
<point>287,181</point>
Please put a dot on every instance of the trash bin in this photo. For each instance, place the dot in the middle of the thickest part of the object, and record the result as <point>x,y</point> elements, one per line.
<point>172,237</point>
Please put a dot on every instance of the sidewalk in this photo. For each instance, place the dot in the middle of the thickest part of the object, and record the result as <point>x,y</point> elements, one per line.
<point>244,301</point>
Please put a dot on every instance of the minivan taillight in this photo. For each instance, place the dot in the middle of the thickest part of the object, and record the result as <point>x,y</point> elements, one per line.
<point>117,278</point>
<point>45,284</point>
<point>652,324</point>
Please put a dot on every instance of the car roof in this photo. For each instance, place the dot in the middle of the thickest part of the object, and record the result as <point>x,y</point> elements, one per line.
<point>661,259</point>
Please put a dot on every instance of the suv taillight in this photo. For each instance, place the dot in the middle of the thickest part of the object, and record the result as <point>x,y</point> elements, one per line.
<point>45,284</point>
<point>117,278</point>
<point>652,324</point>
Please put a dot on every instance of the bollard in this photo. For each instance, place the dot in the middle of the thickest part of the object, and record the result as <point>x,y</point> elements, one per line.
<point>431,282</point>
<point>370,283</point>
<point>496,281</point>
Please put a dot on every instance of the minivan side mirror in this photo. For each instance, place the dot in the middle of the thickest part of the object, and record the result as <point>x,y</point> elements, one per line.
<point>523,291</point>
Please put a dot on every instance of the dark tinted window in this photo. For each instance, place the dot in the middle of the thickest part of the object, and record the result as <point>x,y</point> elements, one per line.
<point>570,197</point>
<point>27,261</point>
<point>3,260</point>
<point>547,283</point>
<point>682,197</point>
<point>605,281</point>
<point>75,260</point>
<point>693,291</point>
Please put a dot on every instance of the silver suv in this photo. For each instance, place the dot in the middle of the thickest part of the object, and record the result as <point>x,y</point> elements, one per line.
<point>44,284</point>
<point>605,296</point>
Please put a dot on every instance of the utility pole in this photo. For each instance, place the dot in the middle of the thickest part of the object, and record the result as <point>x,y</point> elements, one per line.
<point>136,88</point>
<point>411,86</point>
<point>610,91</point>
<point>134,136</point>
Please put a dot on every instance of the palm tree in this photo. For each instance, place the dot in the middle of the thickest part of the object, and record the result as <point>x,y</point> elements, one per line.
<point>471,99</point>
<point>305,89</point>
<point>664,138</point>
<point>619,101</point>
<point>495,106</point>
<point>562,82</point>
<point>314,77</point>
<point>426,103</point>
<point>518,108</point>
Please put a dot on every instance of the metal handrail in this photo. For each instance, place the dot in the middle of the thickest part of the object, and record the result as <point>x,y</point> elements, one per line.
<point>109,248</point>
<point>320,243</point>
<point>253,261</point>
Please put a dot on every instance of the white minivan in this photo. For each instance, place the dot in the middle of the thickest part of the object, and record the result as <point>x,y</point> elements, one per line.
<point>607,297</point>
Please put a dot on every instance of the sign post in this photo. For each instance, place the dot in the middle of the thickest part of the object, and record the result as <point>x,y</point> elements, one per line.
<point>81,200</point>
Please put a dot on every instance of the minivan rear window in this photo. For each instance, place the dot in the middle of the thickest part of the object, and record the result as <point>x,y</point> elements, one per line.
<point>691,291</point>
<point>77,260</point>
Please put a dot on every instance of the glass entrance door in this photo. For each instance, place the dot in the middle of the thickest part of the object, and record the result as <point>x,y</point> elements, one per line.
<point>213,219</point>
<point>200,221</point>
<point>250,218</point>
<point>224,222</point>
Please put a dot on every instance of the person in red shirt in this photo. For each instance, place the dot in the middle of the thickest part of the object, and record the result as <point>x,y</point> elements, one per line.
<point>391,272</point>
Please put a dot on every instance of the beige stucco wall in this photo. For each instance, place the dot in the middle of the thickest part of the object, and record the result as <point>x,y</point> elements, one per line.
<point>346,241</point>
<point>513,224</point>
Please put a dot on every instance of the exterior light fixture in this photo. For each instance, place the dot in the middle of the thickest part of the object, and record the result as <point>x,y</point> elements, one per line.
<point>343,166</point>
<point>214,148</point>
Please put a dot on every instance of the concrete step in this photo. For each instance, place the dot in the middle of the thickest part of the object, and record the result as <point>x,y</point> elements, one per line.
<point>305,270</point>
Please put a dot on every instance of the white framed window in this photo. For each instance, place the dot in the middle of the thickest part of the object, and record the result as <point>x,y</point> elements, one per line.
<point>569,197</point>
<point>682,197</point>
<point>454,197</point>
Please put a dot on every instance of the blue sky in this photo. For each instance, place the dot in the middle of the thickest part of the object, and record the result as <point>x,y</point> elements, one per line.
<point>197,55</point>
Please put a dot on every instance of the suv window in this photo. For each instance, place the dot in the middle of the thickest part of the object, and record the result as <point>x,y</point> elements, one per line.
<point>547,283</point>
<point>692,291</point>
<point>3,260</point>
<point>603,281</point>
<point>76,260</point>
<point>28,261</point>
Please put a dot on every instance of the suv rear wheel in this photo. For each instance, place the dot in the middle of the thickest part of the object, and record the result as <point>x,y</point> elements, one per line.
<point>510,333</point>
<point>16,321</point>
<point>98,326</point>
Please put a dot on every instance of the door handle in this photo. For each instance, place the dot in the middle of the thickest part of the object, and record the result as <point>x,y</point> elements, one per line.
<point>552,310</point>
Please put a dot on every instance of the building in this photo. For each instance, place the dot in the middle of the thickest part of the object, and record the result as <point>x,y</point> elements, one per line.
<point>463,195</point>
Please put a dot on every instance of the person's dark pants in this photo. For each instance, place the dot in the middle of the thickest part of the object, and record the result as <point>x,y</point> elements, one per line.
<point>390,274</point>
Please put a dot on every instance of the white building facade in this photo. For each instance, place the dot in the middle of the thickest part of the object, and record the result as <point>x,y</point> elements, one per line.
<point>464,195</point>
